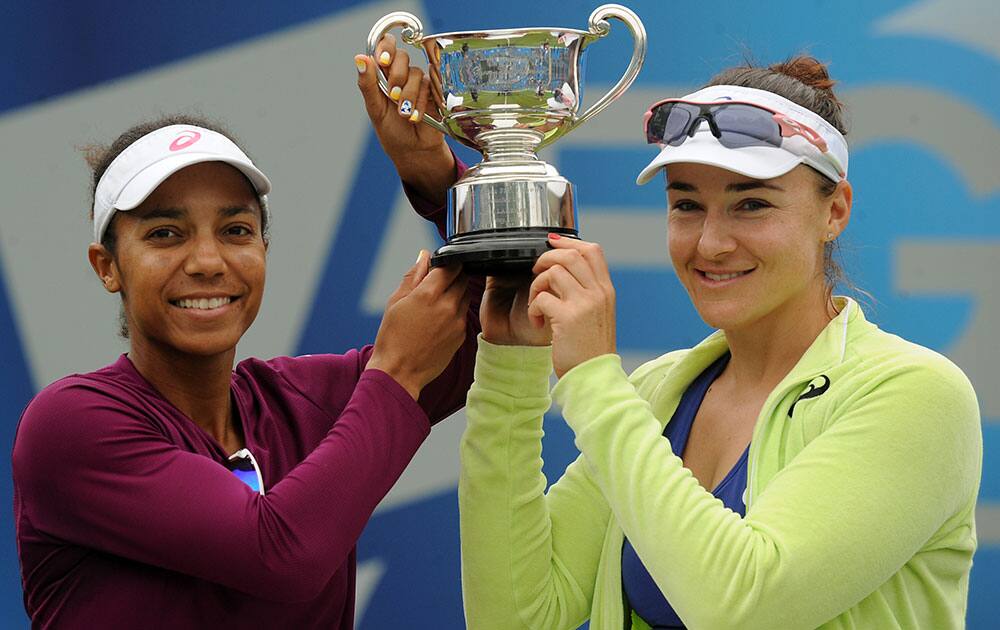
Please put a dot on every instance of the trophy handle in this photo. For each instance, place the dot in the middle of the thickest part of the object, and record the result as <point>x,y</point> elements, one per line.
<point>413,32</point>
<point>600,27</point>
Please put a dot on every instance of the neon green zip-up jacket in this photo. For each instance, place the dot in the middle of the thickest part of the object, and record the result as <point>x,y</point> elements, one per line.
<point>860,500</point>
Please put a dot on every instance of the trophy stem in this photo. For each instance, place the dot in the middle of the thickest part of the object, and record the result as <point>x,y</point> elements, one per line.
<point>502,145</point>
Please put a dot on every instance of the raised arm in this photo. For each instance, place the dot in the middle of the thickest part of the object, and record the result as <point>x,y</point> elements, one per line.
<point>427,167</point>
<point>95,471</point>
<point>529,558</point>
<point>423,160</point>
<point>446,394</point>
<point>101,472</point>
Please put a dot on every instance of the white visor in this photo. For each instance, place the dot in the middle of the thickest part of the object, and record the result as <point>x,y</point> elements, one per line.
<point>758,162</point>
<point>147,162</point>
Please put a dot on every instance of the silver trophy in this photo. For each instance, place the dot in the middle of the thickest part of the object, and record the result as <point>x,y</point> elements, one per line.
<point>507,93</point>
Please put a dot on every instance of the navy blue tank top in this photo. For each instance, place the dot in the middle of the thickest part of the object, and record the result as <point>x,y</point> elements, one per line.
<point>641,592</point>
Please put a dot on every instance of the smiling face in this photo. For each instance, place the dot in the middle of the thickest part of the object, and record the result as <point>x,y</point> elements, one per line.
<point>749,250</point>
<point>189,262</point>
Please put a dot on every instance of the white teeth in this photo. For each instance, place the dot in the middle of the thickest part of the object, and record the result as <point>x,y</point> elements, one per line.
<point>204,304</point>
<point>725,276</point>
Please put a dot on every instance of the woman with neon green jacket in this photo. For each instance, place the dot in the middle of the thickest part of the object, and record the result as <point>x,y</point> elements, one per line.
<point>799,468</point>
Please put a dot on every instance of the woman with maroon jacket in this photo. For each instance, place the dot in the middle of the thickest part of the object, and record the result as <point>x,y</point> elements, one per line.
<point>172,489</point>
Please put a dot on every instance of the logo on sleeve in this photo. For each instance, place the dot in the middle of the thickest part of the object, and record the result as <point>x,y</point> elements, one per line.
<point>812,392</point>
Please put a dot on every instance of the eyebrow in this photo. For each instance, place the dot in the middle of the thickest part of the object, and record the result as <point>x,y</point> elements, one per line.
<point>737,187</point>
<point>232,211</point>
<point>179,213</point>
<point>681,186</point>
<point>160,213</point>
<point>751,185</point>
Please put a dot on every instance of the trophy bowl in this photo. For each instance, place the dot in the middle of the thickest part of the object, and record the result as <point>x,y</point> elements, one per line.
<point>507,93</point>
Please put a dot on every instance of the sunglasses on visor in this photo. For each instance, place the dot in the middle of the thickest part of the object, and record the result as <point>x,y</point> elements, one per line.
<point>734,124</point>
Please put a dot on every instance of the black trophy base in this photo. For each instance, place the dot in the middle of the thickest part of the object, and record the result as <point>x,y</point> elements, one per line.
<point>497,253</point>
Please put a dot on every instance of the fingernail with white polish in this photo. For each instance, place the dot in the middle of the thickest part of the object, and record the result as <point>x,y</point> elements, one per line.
<point>384,58</point>
<point>405,108</point>
<point>394,93</point>
<point>360,65</point>
<point>415,116</point>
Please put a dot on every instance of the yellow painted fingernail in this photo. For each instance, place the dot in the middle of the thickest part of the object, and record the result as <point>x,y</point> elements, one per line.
<point>415,116</point>
<point>384,58</point>
<point>360,65</point>
<point>394,93</point>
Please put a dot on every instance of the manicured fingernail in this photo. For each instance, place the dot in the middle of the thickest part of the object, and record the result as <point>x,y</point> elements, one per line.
<point>420,256</point>
<point>553,236</point>
<point>405,108</point>
<point>359,63</point>
<point>415,116</point>
<point>394,93</point>
<point>384,58</point>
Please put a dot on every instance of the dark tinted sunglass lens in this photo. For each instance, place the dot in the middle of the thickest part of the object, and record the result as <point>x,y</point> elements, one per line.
<point>249,477</point>
<point>654,126</point>
<point>746,126</point>
<point>678,121</point>
<point>668,124</point>
<point>244,470</point>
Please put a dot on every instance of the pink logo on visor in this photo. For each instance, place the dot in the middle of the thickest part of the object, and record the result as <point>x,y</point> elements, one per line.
<point>791,128</point>
<point>184,139</point>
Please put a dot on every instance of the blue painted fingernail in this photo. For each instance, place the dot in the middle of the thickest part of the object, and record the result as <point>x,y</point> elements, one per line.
<point>405,108</point>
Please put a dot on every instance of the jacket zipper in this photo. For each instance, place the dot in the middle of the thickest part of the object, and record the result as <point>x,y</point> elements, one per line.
<point>758,432</point>
<point>754,438</point>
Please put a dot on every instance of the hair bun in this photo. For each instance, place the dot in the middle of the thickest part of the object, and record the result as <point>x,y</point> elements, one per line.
<point>808,70</point>
<point>801,79</point>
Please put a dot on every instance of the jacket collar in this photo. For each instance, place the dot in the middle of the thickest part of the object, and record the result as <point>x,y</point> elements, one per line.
<point>829,348</point>
<point>826,351</point>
